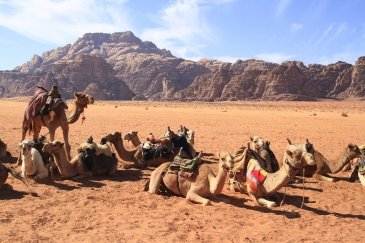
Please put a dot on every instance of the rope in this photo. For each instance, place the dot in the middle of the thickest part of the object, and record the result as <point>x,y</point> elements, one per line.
<point>301,206</point>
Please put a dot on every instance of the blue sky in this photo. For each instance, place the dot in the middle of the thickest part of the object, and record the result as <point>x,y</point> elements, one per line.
<point>313,31</point>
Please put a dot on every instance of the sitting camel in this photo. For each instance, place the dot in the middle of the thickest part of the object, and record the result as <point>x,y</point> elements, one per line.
<point>86,163</point>
<point>205,183</point>
<point>131,155</point>
<point>249,175</point>
<point>33,121</point>
<point>32,162</point>
<point>323,166</point>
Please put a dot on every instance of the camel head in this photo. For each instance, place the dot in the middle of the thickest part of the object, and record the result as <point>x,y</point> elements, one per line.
<point>130,135</point>
<point>189,134</point>
<point>307,151</point>
<point>257,143</point>
<point>115,137</point>
<point>226,161</point>
<point>83,99</point>
<point>353,151</point>
<point>26,146</point>
<point>3,148</point>
<point>294,157</point>
<point>53,146</point>
<point>362,149</point>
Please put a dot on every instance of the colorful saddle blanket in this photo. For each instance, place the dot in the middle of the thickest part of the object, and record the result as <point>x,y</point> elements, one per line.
<point>255,174</point>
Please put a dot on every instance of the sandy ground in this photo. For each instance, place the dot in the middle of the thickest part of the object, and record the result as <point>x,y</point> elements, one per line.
<point>116,209</point>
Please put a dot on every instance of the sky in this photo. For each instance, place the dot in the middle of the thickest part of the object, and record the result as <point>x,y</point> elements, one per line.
<point>312,31</point>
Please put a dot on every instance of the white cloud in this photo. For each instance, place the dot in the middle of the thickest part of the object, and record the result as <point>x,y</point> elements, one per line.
<point>282,6</point>
<point>295,27</point>
<point>63,21</point>
<point>325,34</point>
<point>274,57</point>
<point>348,57</point>
<point>182,27</point>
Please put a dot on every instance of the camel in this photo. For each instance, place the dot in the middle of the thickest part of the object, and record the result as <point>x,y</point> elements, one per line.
<point>323,166</point>
<point>32,162</point>
<point>80,167</point>
<point>250,176</point>
<point>57,118</point>
<point>196,188</point>
<point>132,155</point>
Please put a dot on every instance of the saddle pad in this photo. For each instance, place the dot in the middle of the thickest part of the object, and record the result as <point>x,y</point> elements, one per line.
<point>255,174</point>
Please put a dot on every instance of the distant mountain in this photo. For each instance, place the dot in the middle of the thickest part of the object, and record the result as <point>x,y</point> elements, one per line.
<point>121,66</point>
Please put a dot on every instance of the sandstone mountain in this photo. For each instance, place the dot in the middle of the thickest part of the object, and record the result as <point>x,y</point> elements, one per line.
<point>121,66</point>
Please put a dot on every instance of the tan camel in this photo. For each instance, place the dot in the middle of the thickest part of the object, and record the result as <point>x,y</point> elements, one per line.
<point>258,183</point>
<point>101,165</point>
<point>58,119</point>
<point>204,184</point>
<point>131,155</point>
<point>323,165</point>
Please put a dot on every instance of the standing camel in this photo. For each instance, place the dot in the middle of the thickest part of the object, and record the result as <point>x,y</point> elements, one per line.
<point>205,183</point>
<point>59,119</point>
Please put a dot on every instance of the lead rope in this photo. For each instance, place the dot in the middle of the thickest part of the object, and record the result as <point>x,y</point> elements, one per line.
<point>301,206</point>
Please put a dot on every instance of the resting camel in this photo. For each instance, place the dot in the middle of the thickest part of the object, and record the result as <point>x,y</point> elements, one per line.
<point>80,166</point>
<point>250,176</point>
<point>323,166</point>
<point>130,155</point>
<point>204,184</point>
<point>58,119</point>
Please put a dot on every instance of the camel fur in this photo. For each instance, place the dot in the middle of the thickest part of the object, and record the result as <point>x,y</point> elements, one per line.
<point>58,118</point>
<point>195,189</point>
<point>76,168</point>
<point>32,163</point>
<point>99,148</point>
<point>269,183</point>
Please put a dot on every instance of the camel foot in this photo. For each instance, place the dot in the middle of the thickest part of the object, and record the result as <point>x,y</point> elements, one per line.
<point>267,203</point>
<point>323,178</point>
<point>207,203</point>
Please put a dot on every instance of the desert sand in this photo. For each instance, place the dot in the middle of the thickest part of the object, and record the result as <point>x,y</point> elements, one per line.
<point>117,209</point>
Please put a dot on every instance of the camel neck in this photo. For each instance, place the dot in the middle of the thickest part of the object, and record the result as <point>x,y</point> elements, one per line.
<point>335,166</point>
<point>275,181</point>
<point>76,112</point>
<point>65,168</point>
<point>122,152</point>
<point>220,179</point>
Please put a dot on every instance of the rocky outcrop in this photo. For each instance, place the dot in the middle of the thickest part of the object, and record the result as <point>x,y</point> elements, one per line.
<point>121,66</point>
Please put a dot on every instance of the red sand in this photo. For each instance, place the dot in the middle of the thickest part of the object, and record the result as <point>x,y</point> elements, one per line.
<point>116,209</point>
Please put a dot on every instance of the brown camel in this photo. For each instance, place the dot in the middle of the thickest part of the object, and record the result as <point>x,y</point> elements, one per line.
<point>251,178</point>
<point>100,165</point>
<point>58,119</point>
<point>205,183</point>
<point>324,165</point>
<point>130,155</point>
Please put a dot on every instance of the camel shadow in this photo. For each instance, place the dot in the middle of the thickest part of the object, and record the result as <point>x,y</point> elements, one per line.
<point>240,203</point>
<point>7,192</point>
<point>305,188</point>
<point>121,175</point>
<point>296,201</point>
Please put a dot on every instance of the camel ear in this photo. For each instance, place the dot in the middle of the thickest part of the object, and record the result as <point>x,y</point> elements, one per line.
<point>289,141</point>
<point>251,139</point>
<point>307,141</point>
<point>290,153</point>
<point>77,94</point>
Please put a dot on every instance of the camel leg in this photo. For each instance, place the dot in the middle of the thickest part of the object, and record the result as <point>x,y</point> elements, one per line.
<point>156,177</point>
<point>193,197</point>
<point>65,130</point>
<point>361,178</point>
<point>266,203</point>
<point>323,178</point>
<point>254,199</point>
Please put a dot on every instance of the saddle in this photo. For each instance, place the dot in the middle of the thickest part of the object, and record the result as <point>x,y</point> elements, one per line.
<point>152,151</point>
<point>43,102</point>
<point>185,167</point>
